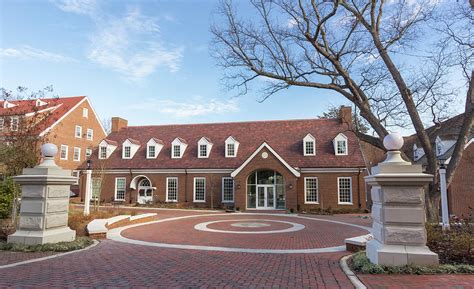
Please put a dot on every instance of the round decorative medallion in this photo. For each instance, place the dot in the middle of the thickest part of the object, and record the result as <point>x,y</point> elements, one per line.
<point>264,155</point>
<point>250,225</point>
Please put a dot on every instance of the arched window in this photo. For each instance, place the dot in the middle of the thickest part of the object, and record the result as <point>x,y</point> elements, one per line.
<point>265,190</point>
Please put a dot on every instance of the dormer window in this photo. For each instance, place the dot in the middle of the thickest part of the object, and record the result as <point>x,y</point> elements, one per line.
<point>204,147</point>
<point>106,148</point>
<point>129,148</point>
<point>178,146</point>
<point>309,145</point>
<point>153,148</point>
<point>39,102</point>
<point>340,145</point>
<point>7,104</point>
<point>231,147</point>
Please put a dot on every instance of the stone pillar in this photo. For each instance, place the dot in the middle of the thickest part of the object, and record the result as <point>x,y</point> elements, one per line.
<point>398,211</point>
<point>44,202</point>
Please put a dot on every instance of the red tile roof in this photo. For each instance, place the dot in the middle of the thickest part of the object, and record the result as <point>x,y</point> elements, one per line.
<point>285,137</point>
<point>55,108</point>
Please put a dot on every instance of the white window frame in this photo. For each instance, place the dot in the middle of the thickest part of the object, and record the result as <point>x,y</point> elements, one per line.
<point>78,155</point>
<point>95,181</point>
<point>167,189</point>
<point>124,189</point>
<point>100,152</point>
<point>124,150</point>
<point>223,187</point>
<point>194,190</point>
<point>227,154</point>
<point>201,148</point>
<point>88,152</point>
<point>339,191</point>
<point>306,191</point>
<point>341,137</point>
<point>148,147</point>
<point>231,140</point>
<point>77,130</point>
<point>309,139</point>
<point>17,125</point>
<point>61,152</point>
<point>85,112</point>
<point>90,134</point>
<point>173,149</point>
<point>75,173</point>
<point>2,123</point>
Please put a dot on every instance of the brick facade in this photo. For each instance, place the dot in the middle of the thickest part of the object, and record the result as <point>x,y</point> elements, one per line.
<point>461,190</point>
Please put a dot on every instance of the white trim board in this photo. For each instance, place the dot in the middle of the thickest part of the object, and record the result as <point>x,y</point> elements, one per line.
<point>265,145</point>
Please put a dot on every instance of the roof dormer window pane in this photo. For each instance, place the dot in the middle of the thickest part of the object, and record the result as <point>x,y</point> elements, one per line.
<point>203,151</point>
<point>176,151</point>
<point>341,147</point>
<point>103,152</point>
<point>127,152</point>
<point>151,151</point>
<point>231,150</point>
<point>309,148</point>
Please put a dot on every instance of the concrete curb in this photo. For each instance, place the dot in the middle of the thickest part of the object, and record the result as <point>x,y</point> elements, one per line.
<point>156,209</point>
<point>49,257</point>
<point>351,275</point>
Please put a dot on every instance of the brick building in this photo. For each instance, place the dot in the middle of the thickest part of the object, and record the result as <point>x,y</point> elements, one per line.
<point>69,122</point>
<point>443,138</point>
<point>289,164</point>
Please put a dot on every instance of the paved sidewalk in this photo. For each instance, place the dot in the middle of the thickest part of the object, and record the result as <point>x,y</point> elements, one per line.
<point>418,281</point>
<point>9,257</point>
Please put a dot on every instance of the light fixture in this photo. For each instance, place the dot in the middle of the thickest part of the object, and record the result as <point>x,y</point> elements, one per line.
<point>290,186</point>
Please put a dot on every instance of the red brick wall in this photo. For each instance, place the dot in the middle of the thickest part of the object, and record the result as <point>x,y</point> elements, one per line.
<point>461,191</point>
<point>64,134</point>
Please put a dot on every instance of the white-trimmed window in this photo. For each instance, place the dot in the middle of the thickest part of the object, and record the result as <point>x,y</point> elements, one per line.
<point>176,151</point>
<point>309,145</point>
<point>77,154</point>
<point>88,152</point>
<point>204,147</point>
<point>151,151</point>
<point>344,190</point>
<point>2,123</point>
<point>178,146</point>
<point>231,147</point>
<point>172,189</point>
<point>311,190</point>
<point>227,190</point>
<point>90,134</point>
<point>96,188</point>
<point>102,152</point>
<point>127,152</point>
<point>64,149</point>
<point>14,120</point>
<point>76,175</point>
<point>199,190</point>
<point>340,145</point>
<point>85,112</point>
<point>120,189</point>
<point>78,132</point>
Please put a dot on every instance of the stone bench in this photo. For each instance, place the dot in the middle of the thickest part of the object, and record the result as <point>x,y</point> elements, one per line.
<point>357,244</point>
<point>98,228</point>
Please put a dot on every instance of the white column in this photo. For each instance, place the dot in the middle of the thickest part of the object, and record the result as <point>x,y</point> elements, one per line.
<point>444,198</point>
<point>88,193</point>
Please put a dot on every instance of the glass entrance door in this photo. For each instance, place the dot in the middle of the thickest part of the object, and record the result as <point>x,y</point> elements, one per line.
<point>265,197</point>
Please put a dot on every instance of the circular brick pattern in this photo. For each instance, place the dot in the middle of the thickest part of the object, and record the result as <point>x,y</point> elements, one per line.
<point>292,227</point>
<point>318,235</point>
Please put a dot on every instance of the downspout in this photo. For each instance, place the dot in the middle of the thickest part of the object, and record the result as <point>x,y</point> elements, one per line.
<point>358,188</point>
<point>185,185</point>
<point>130,198</point>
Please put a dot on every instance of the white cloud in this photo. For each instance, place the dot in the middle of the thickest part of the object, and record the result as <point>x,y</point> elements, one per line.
<point>291,23</point>
<point>87,7</point>
<point>195,107</point>
<point>27,52</point>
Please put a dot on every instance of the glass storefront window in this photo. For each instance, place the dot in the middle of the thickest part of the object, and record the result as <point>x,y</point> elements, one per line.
<point>268,178</point>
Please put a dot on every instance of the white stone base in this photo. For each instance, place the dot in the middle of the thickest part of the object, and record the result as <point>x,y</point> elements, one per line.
<point>64,234</point>
<point>398,255</point>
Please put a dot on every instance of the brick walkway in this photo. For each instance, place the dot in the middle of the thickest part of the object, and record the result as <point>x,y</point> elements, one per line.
<point>8,257</point>
<point>115,264</point>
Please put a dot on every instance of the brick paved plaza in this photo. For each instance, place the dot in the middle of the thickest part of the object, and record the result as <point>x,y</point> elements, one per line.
<point>119,264</point>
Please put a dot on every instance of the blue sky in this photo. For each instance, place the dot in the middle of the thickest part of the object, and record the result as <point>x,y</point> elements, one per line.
<point>146,61</point>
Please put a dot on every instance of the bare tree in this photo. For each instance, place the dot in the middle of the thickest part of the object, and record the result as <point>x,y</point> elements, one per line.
<point>367,51</point>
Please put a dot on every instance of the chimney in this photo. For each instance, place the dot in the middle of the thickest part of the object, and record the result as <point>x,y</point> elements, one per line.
<point>118,123</point>
<point>345,114</point>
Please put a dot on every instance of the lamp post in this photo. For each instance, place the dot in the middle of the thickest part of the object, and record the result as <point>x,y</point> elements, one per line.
<point>88,192</point>
<point>444,194</point>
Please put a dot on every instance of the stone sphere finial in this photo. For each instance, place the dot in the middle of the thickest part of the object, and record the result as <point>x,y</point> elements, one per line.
<point>49,150</point>
<point>393,141</point>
